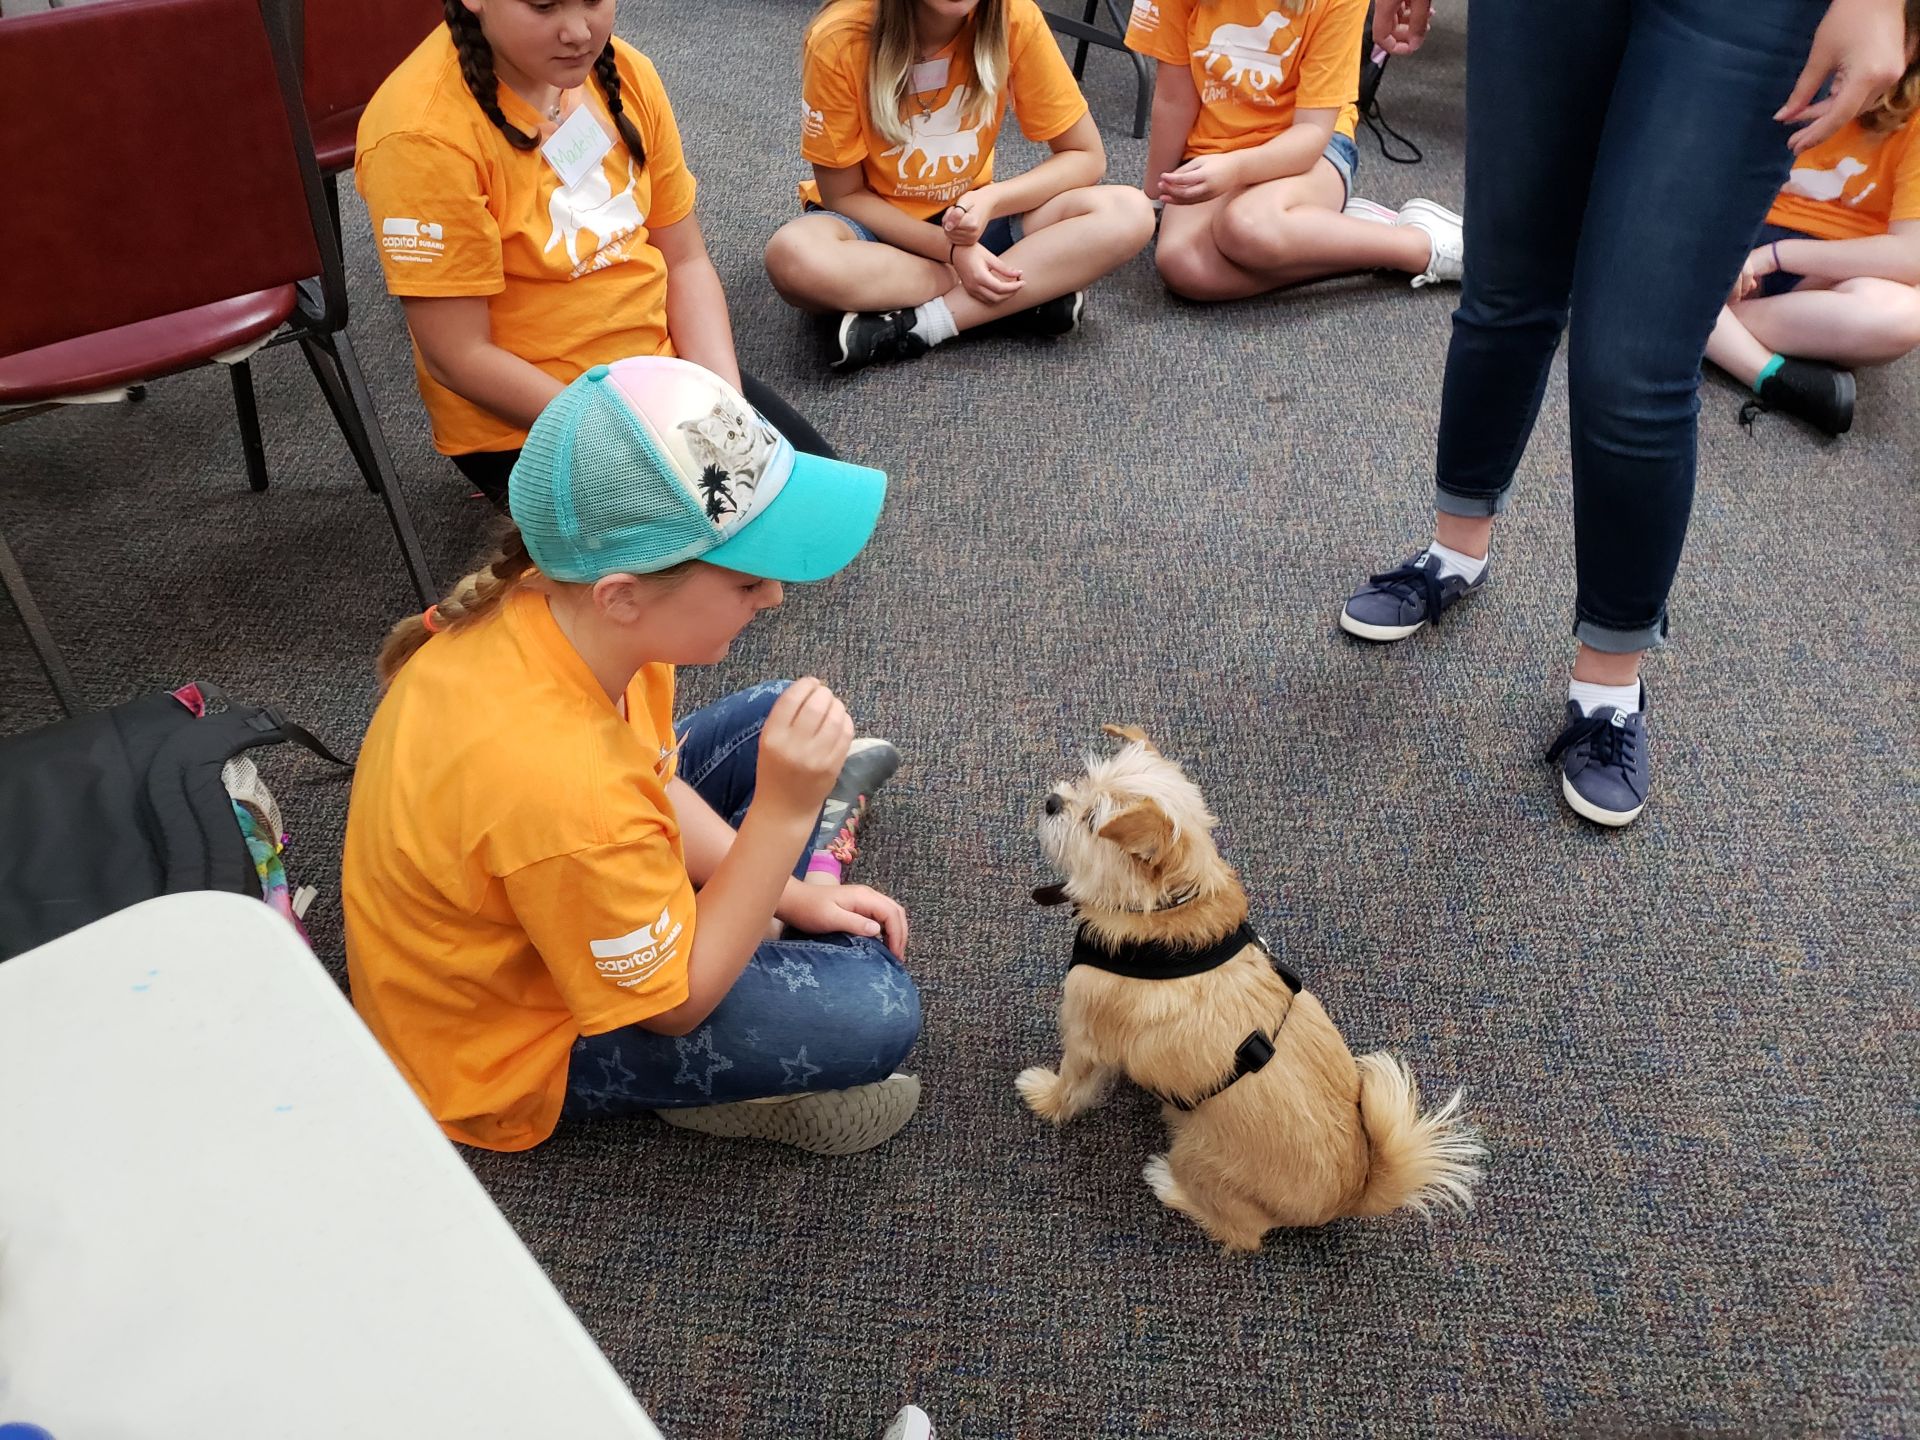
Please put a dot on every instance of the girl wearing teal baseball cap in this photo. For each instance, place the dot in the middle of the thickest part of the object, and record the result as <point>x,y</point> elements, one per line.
<point>558,903</point>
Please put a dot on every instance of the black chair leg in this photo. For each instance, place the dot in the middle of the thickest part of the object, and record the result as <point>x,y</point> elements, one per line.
<point>333,205</point>
<point>321,361</point>
<point>338,370</point>
<point>256,452</point>
<point>51,661</point>
<point>1080,50</point>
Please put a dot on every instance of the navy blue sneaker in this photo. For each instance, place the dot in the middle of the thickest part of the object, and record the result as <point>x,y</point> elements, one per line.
<point>1604,770</point>
<point>1394,605</point>
<point>866,339</point>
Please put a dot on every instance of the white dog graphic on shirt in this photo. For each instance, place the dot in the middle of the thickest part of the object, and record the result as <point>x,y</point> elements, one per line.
<point>590,204</point>
<point>1247,49</point>
<point>940,138</point>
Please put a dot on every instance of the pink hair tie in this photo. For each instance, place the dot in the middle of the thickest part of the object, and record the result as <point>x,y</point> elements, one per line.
<point>430,617</point>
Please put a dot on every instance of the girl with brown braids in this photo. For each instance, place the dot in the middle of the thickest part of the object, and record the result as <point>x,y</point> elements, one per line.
<point>534,214</point>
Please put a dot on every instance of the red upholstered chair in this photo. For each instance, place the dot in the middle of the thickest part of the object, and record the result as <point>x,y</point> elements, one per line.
<point>182,222</point>
<point>347,47</point>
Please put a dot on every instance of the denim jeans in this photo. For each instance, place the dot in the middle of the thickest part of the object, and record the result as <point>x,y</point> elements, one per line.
<point>826,1012</point>
<point>1620,156</point>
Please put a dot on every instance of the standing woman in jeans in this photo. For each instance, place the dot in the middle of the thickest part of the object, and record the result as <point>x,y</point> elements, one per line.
<point>1620,157</point>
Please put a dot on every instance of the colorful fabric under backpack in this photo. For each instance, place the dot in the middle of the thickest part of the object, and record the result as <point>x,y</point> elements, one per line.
<point>149,798</point>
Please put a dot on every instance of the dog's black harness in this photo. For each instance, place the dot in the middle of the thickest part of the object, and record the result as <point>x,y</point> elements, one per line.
<point>1152,960</point>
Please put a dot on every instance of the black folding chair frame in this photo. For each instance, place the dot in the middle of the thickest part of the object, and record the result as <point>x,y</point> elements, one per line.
<point>319,327</point>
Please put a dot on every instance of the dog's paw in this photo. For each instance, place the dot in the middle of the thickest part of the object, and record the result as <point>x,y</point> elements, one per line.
<point>1040,1088</point>
<point>1158,1174</point>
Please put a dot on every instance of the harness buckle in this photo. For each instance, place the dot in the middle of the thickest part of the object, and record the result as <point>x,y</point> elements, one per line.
<point>1254,1053</point>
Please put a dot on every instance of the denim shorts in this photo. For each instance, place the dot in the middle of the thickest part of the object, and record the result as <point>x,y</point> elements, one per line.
<point>1003,232</point>
<point>1780,281</point>
<point>1344,156</point>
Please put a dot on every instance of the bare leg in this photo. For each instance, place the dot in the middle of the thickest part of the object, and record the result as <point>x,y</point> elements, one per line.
<point>1079,1086</point>
<point>1277,233</point>
<point>1067,244</point>
<point>1853,323</point>
<point>1600,667</point>
<point>1469,534</point>
<point>1733,348</point>
<point>818,264</point>
<point>1291,230</point>
<point>1189,259</point>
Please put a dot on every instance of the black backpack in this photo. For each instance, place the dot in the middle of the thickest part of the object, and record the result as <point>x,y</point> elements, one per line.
<point>117,806</point>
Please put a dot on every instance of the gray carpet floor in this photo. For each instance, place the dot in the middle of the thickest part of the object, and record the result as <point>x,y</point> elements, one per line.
<point>1691,1045</point>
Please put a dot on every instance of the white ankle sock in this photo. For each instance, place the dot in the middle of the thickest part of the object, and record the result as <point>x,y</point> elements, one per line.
<point>1452,562</point>
<point>933,321</point>
<point>1590,697</point>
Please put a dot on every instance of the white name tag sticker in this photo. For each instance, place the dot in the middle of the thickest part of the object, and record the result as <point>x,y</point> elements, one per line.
<point>576,149</point>
<point>928,75</point>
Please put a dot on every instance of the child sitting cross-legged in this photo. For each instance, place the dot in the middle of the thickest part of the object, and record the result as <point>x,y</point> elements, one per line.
<point>561,905</point>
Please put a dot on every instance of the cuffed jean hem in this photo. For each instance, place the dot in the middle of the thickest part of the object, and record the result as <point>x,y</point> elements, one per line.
<point>1470,507</point>
<point>1611,640</point>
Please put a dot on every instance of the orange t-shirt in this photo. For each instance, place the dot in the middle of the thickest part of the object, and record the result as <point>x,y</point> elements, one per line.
<point>514,876</point>
<point>1256,62</point>
<point>946,156</point>
<point>571,278</point>
<point>1855,183</point>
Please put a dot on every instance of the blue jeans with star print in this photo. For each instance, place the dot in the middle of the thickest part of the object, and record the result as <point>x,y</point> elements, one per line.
<point>821,1012</point>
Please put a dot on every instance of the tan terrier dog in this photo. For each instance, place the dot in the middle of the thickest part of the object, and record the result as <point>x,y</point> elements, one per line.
<point>1273,1121</point>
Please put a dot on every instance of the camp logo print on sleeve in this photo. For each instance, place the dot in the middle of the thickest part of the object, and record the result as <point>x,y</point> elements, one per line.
<point>634,958</point>
<point>415,241</point>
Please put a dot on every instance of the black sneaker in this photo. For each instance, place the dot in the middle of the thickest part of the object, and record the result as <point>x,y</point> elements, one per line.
<point>1058,316</point>
<point>1810,390</point>
<point>1604,769</point>
<point>866,338</point>
<point>1394,605</point>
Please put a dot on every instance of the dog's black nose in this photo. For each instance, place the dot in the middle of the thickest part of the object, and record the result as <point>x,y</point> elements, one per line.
<point>1054,802</point>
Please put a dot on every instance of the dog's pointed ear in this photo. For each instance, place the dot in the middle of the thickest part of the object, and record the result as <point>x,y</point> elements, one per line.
<point>1142,830</point>
<point>1132,734</point>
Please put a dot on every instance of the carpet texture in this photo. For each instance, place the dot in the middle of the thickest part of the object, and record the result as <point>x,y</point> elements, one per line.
<point>1691,1045</point>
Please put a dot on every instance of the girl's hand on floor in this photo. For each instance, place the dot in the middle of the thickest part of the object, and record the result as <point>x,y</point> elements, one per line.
<point>802,747</point>
<point>1205,177</point>
<point>845,910</point>
<point>1400,25</point>
<point>984,276</point>
<point>1862,46</point>
<point>966,219</point>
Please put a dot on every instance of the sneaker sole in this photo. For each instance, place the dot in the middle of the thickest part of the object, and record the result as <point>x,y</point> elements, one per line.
<point>845,362</point>
<point>1586,809</point>
<point>1429,208</point>
<point>827,1122</point>
<point>871,762</point>
<point>1380,634</point>
<point>1369,210</point>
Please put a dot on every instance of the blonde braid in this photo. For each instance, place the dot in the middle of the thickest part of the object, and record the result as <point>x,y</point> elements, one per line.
<point>472,598</point>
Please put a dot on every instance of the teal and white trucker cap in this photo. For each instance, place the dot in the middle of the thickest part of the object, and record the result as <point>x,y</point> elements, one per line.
<point>641,464</point>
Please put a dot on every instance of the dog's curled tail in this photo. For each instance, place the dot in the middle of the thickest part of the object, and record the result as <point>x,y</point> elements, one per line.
<point>1419,1161</point>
